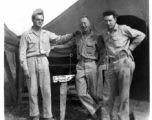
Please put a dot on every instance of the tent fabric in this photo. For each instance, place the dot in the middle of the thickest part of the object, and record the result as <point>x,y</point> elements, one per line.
<point>67,22</point>
<point>11,40</point>
<point>134,13</point>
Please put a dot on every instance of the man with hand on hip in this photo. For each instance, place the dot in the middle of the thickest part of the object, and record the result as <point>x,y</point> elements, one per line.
<point>119,75</point>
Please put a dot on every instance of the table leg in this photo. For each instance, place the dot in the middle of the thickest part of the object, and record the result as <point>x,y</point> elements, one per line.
<point>63,96</point>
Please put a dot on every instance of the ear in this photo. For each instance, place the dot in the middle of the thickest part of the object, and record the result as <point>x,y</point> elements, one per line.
<point>89,23</point>
<point>116,19</point>
<point>32,20</point>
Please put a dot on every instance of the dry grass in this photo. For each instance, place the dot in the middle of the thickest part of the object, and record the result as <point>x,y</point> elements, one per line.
<point>74,111</point>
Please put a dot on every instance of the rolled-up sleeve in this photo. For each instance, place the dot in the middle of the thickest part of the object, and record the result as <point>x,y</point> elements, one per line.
<point>22,52</point>
<point>58,39</point>
<point>137,36</point>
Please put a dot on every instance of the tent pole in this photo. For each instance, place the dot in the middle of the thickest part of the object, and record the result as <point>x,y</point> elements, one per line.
<point>17,71</point>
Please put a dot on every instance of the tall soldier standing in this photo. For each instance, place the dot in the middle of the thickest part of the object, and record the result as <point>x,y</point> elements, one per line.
<point>119,75</point>
<point>33,51</point>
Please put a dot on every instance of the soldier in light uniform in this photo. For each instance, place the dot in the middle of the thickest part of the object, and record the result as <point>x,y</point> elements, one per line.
<point>89,48</point>
<point>119,75</point>
<point>33,51</point>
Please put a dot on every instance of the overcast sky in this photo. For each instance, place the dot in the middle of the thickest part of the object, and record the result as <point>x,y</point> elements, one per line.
<point>17,13</point>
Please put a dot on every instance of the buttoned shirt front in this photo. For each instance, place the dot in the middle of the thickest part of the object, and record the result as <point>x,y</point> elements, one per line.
<point>119,39</point>
<point>88,47</point>
<point>31,44</point>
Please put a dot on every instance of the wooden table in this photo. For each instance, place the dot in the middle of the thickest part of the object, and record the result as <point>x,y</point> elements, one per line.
<point>63,92</point>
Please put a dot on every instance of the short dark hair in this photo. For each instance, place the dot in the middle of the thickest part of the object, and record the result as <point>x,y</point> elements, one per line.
<point>110,12</point>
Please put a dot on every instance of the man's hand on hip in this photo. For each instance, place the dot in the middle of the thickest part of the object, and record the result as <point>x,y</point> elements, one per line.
<point>129,52</point>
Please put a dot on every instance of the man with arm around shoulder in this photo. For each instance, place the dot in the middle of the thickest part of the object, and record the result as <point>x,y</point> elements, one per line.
<point>33,51</point>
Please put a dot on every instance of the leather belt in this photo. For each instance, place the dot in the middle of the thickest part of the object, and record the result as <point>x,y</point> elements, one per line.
<point>40,55</point>
<point>114,59</point>
<point>86,60</point>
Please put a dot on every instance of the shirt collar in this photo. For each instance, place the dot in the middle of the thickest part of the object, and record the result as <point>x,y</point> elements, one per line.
<point>116,27</point>
<point>32,31</point>
<point>91,33</point>
<point>114,30</point>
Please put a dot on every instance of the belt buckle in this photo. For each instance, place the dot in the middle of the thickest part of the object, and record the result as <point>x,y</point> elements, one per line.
<point>85,60</point>
<point>112,59</point>
<point>88,60</point>
<point>39,55</point>
<point>81,60</point>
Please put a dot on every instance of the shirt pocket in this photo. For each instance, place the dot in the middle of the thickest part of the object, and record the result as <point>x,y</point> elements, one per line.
<point>46,44</point>
<point>90,48</point>
<point>78,44</point>
<point>33,45</point>
<point>118,41</point>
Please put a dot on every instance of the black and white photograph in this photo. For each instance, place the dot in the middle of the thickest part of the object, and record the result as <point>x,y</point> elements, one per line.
<point>76,60</point>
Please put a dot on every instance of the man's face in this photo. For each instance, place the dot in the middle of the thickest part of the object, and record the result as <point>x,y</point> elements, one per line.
<point>84,24</point>
<point>110,21</point>
<point>38,20</point>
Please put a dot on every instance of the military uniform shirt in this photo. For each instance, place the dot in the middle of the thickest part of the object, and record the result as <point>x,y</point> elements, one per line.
<point>32,45</point>
<point>88,47</point>
<point>119,39</point>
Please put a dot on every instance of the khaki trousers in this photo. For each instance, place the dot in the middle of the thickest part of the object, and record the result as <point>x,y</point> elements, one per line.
<point>86,85</point>
<point>40,76</point>
<point>117,81</point>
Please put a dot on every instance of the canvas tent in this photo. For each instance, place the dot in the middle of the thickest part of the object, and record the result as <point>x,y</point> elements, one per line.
<point>11,40</point>
<point>134,13</point>
<point>68,21</point>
